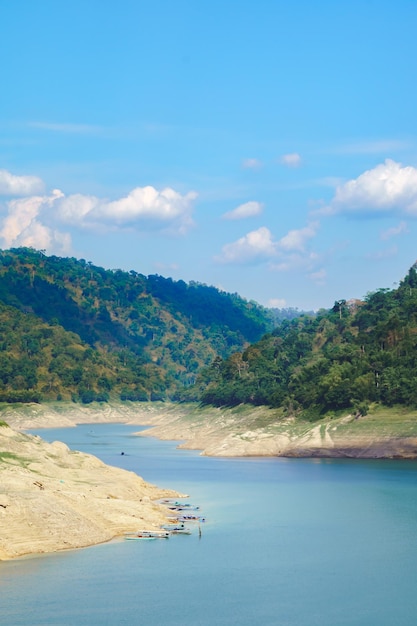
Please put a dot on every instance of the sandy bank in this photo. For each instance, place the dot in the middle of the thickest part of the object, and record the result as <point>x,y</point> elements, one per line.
<point>52,498</point>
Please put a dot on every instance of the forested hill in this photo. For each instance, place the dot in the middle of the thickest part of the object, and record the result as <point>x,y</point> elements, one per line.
<point>346,358</point>
<point>69,329</point>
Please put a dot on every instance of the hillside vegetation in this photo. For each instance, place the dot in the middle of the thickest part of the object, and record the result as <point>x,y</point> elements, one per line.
<point>358,353</point>
<point>71,330</point>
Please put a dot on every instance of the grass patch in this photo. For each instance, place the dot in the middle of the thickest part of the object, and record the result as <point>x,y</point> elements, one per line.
<point>9,457</point>
<point>395,422</point>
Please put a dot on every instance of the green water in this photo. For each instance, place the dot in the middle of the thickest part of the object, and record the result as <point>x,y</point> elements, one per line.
<point>286,542</point>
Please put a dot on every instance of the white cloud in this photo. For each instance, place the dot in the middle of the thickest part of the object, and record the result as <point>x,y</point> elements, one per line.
<point>74,209</point>
<point>37,219</point>
<point>289,253</point>
<point>291,160</point>
<point>394,231</point>
<point>12,185</point>
<point>21,214</point>
<point>148,204</point>
<point>293,250</point>
<point>23,226</point>
<point>388,188</point>
<point>42,237</point>
<point>297,239</point>
<point>251,164</point>
<point>248,209</point>
<point>144,208</point>
<point>254,247</point>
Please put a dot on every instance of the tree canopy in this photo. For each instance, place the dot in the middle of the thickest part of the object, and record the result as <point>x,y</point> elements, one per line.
<point>356,353</point>
<point>70,329</point>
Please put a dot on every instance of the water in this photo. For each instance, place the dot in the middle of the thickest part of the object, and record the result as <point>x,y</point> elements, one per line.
<point>287,542</point>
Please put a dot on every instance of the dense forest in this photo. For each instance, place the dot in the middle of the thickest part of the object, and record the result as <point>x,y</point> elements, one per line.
<point>71,330</point>
<point>357,353</point>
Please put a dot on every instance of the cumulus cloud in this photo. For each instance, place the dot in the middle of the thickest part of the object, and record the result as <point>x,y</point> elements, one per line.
<point>143,208</point>
<point>388,188</point>
<point>297,239</point>
<point>291,160</point>
<point>395,231</point>
<point>38,220</point>
<point>293,250</point>
<point>12,185</point>
<point>148,204</point>
<point>248,209</point>
<point>74,209</point>
<point>43,237</point>
<point>23,225</point>
<point>289,252</point>
<point>251,164</point>
<point>256,246</point>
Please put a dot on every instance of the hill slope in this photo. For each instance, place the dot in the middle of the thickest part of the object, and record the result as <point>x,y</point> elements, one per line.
<point>69,329</point>
<point>358,353</point>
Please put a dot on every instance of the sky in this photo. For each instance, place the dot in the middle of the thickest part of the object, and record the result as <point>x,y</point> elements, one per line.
<point>268,148</point>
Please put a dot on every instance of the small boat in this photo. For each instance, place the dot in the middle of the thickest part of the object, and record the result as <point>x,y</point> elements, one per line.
<point>191,518</point>
<point>148,534</point>
<point>183,507</point>
<point>180,531</point>
<point>175,505</point>
<point>174,526</point>
<point>138,538</point>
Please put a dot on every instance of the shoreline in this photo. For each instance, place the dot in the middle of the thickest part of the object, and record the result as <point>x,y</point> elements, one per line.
<point>238,432</point>
<point>53,498</point>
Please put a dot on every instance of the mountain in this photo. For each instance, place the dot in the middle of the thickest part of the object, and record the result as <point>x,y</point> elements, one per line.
<point>357,353</point>
<point>71,330</point>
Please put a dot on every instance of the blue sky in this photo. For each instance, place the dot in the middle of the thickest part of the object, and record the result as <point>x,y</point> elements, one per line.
<point>268,148</point>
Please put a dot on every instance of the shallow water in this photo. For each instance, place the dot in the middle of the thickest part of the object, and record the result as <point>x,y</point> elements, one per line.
<point>289,542</point>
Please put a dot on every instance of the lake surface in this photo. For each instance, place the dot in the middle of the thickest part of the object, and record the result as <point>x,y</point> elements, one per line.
<point>287,542</point>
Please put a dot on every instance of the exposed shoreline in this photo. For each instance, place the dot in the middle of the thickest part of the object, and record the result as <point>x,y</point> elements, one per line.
<point>243,431</point>
<point>54,499</point>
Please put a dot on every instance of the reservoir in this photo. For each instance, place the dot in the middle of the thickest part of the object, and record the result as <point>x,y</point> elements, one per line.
<point>286,542</point>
